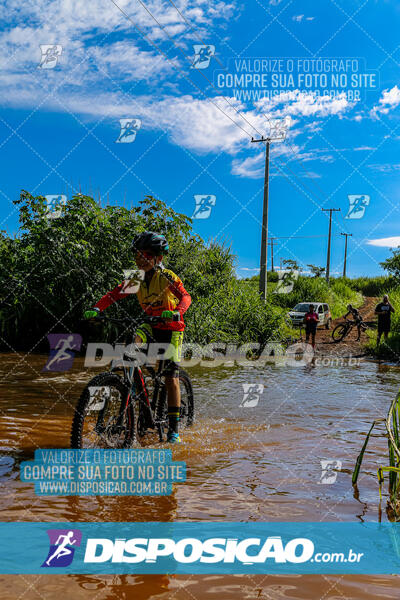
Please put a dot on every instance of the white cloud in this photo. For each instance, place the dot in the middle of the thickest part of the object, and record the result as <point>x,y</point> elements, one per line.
<point>124,60</point>
<point>252,166</point>
<point>305,104</point>
<point>389,100</point>
<point>389,242</point>
<point>385,168</point>
<point>103,57</point>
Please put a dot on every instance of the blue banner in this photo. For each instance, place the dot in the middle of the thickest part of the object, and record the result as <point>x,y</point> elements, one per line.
<point>200,548</point>
<point>92,472</point>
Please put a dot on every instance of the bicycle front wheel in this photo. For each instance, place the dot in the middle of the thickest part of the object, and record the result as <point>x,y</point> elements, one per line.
<point>103,417</point>
<point>340,332</point>
<point>187,403</point>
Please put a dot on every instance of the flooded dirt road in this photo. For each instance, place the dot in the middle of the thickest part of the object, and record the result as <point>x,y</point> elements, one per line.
<point>259,463</point>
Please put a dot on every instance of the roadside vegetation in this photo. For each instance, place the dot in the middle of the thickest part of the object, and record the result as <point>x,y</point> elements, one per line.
<point>54,269</point>
<point>338,294</point>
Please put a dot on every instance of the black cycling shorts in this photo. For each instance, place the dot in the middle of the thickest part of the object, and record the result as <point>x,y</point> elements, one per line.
<point>165,336</point>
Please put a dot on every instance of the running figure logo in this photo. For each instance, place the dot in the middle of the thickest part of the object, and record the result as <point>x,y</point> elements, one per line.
<point>132,280</point>
<point>204,204</point>
<point>286,281</point>
<point>251,394</point>
<point>202,56</point>
<point>55,205</point>
<point>129,127</point>
<point>330,470</point>
<point>278,129</point>
<point>61,553</point>
<point>50,54</point>
<point>62,351</point>
<point>357,205</point>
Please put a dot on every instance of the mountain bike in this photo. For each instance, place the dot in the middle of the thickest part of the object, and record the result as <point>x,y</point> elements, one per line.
<point>129,401</point>
<point>343,329</point>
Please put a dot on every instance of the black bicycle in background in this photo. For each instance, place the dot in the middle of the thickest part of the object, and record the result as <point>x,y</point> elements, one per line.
<point>343,329</point>
<point>122,405</point>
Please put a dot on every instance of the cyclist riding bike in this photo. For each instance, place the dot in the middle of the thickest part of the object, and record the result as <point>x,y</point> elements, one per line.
<point>356,317</point>
<point>161,293</point>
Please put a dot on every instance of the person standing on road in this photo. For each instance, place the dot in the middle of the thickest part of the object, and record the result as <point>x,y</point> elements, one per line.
<point>383,310</point>
<point>311,320</point>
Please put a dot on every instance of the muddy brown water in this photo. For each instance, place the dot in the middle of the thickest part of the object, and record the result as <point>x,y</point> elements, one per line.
<point>244,464</point>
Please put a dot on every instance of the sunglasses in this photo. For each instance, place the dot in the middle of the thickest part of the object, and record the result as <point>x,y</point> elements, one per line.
<point>143,254</point>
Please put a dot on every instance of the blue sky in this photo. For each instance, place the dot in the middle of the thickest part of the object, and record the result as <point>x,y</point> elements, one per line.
<point>59,126</point>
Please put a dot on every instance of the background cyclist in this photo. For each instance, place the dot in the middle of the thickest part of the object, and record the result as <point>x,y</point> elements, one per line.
<point>161,293</point>
<point>351,310</point>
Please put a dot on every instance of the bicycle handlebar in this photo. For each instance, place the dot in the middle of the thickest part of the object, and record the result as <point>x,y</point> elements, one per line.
<point>152,320</point>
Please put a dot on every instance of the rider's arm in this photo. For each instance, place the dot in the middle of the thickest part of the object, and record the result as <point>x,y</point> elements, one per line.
<point>184,298</point>
<point>111,297</point>
<point>347,314</point>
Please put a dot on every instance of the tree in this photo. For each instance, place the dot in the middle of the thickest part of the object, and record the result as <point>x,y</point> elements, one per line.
<point>316,271</point>
<point>292,265</point>
<point>56,268</point>
<point>392,264</point>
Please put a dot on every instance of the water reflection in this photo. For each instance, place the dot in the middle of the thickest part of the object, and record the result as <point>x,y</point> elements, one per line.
<point>259,463</point>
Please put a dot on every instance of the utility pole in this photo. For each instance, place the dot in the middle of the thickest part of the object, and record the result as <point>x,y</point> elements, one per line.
<point>345,252</point>
<point>277,134</point>
<point>271,241</point>
<point>264,232</point>
<point>328,258</point>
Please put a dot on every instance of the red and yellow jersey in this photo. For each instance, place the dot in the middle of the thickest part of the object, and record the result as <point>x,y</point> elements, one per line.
<point>164,291</point>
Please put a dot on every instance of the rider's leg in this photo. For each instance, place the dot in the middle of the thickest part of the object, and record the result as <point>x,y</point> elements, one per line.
<point>359,333</point>
<point>173,356</point>
<point>174,402</point>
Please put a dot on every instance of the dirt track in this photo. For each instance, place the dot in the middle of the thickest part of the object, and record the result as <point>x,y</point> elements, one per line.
<point>349,346</point>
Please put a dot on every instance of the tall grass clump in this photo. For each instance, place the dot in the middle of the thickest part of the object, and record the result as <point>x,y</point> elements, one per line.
<point>392,425</point>
<point>372,286</point>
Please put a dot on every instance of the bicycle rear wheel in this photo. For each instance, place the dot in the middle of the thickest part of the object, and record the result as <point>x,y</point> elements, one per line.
<point>340,332</point>
<point>186,416</point>
<point>103,417</point>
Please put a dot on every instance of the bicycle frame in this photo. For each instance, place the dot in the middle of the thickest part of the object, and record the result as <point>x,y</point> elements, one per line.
<point>133,377</point>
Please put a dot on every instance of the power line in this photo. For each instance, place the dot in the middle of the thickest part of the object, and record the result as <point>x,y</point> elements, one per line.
<point>201,91</point>
<point>193,29</point>
<point>177,68</point>
<point>190,60</point>
<point>218,91</point>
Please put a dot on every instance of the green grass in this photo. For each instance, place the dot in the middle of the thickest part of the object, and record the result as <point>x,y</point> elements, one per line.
<point>391,349</point>
<point>338,294</point>
<point>372,286</point>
